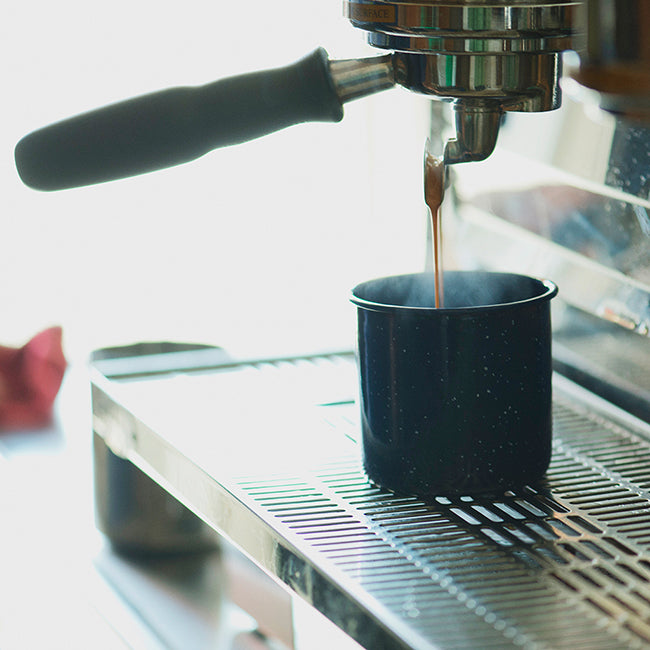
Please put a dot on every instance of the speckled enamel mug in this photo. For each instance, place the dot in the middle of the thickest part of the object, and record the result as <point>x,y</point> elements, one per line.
<point>456,399</point>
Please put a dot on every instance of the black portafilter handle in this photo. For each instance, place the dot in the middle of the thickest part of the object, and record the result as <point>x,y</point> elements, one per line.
<point>177,125</point>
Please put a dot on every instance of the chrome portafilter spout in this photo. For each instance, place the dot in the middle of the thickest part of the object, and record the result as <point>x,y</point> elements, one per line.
<point>486,56</point>
<point>477,128</point>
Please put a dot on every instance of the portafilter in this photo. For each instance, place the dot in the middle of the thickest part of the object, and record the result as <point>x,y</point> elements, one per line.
<point>485,56</point>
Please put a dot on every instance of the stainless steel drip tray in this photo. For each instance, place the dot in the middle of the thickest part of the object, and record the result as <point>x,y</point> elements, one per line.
<point>267,454</point>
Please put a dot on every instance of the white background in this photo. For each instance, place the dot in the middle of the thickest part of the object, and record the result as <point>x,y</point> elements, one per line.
<point>252,247</point>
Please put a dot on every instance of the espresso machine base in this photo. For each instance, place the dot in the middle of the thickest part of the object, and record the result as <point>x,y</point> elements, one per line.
<point>266,453</point>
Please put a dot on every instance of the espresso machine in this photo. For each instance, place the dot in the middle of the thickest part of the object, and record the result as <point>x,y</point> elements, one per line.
<point>550,106</point>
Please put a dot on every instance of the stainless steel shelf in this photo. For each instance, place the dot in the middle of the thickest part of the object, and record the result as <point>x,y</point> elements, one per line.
<point>267,454</point>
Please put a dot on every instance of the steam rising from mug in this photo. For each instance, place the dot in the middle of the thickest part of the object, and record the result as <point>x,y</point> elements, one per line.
<point>463,291</point>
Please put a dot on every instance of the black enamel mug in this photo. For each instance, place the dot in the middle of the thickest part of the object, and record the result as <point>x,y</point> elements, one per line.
<point>456,399</point>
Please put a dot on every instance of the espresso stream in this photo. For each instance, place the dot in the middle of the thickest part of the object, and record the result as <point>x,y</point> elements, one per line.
<point>434,174</point>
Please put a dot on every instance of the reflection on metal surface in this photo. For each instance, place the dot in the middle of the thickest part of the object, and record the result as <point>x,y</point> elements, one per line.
<point>355,78</point>
<point>569,201</point>
<point>599,290</point>
<point>131,509</point>
<point>556,564</point>
<point>468,19</point>
<point>603,358</point>
<point>138,516</point>
<point>593,150</point>
<point>495,78</point>
<point>501,56</point>
<point>468,26</point>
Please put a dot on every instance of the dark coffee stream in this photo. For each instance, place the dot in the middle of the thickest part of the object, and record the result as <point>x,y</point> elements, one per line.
<point>434,175</point>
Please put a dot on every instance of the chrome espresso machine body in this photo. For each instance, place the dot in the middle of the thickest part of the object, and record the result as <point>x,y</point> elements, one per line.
<point>562,191</point>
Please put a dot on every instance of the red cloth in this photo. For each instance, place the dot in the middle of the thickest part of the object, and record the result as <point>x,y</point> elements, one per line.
<point>30,378</point>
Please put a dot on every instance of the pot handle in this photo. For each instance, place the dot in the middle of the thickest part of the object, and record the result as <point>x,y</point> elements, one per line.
<point>177,125</point>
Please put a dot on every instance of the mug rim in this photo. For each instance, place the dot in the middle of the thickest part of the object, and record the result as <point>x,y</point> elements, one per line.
<point>550,292</point>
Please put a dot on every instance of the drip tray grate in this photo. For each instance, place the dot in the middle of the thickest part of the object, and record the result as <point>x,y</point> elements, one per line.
<point>565,565</point>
